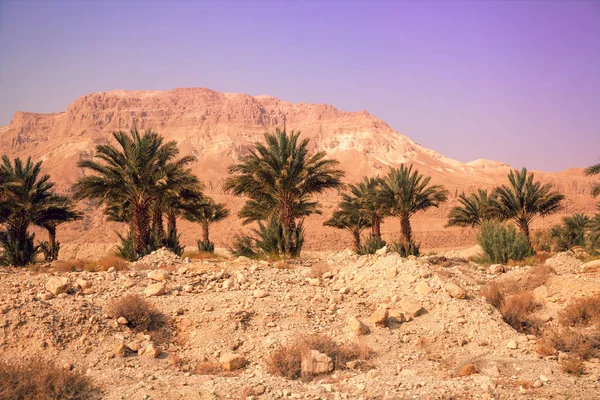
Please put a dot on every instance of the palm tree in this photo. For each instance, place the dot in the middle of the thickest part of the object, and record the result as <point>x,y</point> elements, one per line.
<point>206,214</point>
<point>349,216</point>
<point>60,210</point>
<point>129,179</point>
<point>29,199</point>
<point>367,195</point>
<point>408,192</point>
<point>474,210</point>
<point>524,199</point>
<point>594,170</point>
<point>572,232</point>
<point>280,178</point>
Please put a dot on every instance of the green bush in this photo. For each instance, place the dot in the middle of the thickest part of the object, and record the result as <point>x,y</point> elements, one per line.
<point>173,244</point>
<point>371,245</point>
<point>206,247</point>
<point>405,249</point>
<point>502,243</point>
<point>272,239</point>
<point>49,253</point>
<point>17,252</point>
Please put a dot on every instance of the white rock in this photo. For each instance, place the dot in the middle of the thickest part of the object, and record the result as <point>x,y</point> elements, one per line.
<point>155,289</point>
<point>57,285</point>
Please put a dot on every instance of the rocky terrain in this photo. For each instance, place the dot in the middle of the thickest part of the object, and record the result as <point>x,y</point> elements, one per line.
<point>422,326</point>
<point>218,128</point>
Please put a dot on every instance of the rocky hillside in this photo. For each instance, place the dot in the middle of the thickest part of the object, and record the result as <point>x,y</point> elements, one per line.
<point>219,127</point>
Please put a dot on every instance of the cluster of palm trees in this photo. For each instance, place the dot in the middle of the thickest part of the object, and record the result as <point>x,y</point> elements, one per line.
<point>521,201</point>
<point>27,198</point>
<point>402,193</point>
<point>141,181</point>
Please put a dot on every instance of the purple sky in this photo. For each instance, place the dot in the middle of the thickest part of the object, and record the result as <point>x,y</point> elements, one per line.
<point>512,81</point>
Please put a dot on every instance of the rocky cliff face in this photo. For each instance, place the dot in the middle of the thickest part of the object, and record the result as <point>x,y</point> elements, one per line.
<point>219,127</point>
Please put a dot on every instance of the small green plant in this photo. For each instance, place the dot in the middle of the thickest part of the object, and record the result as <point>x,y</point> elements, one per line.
<point>405,249</point>
<point>206,247</point>
<point>502,243</point>
<point>371,245</point>
<point>50,253</point>
<point>17,252</point>
<point>271,240</point>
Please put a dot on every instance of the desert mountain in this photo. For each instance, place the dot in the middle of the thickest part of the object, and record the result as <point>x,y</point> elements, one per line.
<point>218,128</point>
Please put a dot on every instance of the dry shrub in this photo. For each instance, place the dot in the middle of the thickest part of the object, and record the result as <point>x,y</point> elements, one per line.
<point>569,340</point>
<point>584,311</point>
<point>209,367</point>
<point>319,269</point>
<point>75,266</point>
<point>467,369</point>
<point>493,295</point>
<point>141,316</point>
<point>38,379</point>
<point>107,262</point>
<point>516,310</point>
<point>573,366</point>
<point>283,264</point>
<point>523,383</point>
<point>286,361</point>
<point>544,349</point>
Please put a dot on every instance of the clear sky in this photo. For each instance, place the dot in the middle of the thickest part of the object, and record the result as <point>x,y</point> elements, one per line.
<point>512,81</point>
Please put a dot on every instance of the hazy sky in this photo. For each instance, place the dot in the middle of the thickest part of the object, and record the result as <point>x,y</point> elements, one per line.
<point>512,81</point>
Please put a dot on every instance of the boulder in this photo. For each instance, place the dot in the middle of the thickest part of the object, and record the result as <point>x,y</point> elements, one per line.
<point>157,275</point>
<point>592,266</point>
<point>232,361</point>
<point>379,317</point>
<point>496,269</point>
<point>357,326</point>
<point>316,363</point>
<point>455,291</point>
<point>155,289</point>
<point>57,285</point>
<point>259,293</point>
<point>422,288</point>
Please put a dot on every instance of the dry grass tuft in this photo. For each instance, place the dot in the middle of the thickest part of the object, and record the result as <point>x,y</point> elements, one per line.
<point>38,379</point>
<point>75,266</point>
<point>107,262</point>
<point>571,341</point>
<point>544,349</point>
<point>493,295</point>
<point>139,313</point>
<point>516,311</point>
<point>573,366</point>
<point>286,361</point>
<point>584,311</point>
<point>467,369</point>
<point>538,275</point>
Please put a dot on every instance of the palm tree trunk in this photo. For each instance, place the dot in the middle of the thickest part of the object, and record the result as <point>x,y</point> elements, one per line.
<point>525,230</point>
<point>405,229</point>
<point>171,224</point>
<point>52,242</point>
<point>158,229</point>
<point>376,226</point>
<point>140,227</point>
<point>205,233</point>
<point>356,234</point>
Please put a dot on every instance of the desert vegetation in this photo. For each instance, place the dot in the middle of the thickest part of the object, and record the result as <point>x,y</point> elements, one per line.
<point>27,198</point>
<point>280,178</point>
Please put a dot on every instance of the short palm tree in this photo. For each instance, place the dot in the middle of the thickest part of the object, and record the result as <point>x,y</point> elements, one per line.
<point>594,170</point>
<point>473,211</point>
<point>130,178</point>
<point>30,200</point>
<point>349,216</point>
<point>60,210</point>
<point>524,199</point>
<point>280,178</point>
<point>367,196</point>
<point>408,192</point>
<point>206,214</point>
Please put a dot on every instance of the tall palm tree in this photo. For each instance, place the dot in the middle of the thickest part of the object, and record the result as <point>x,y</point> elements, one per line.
<point>594,170</point>
<point>130,178</point>
<point>30,200</point>
<point>524,199</point>
<point>349,216</point>
<point>368,197</point>
<point>474,210</point>
<point>408,192</point>
<point>207,213</point>
<point>280,178</point>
